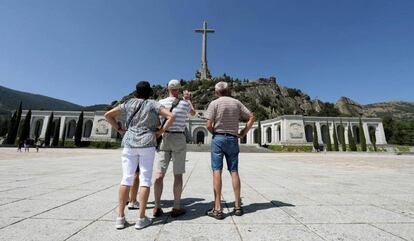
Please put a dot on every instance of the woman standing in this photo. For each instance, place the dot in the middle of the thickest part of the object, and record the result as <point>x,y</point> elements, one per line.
<point>139,144</point>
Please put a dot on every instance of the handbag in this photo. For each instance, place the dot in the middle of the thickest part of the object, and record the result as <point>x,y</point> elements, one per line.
<point>174,104</point>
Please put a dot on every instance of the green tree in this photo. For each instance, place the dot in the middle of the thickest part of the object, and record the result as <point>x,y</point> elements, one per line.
<point>351,140</point>
<point>335,138</point>
<point>12,134</point>
<point>78,131</point>
<point>362,140</point>
<point>342,135</point>
<point>55,141</point>
<point>328,138</point>
<point>315,137</point>
<point>10,129</point>
<point>25,133</point>
<point>49,129</point>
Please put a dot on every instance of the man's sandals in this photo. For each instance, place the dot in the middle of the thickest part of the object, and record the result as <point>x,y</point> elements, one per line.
<point>217,214</point>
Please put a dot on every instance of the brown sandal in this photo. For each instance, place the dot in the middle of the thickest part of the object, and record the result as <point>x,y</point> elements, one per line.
<point>238,211</point>
<point>217,214</point>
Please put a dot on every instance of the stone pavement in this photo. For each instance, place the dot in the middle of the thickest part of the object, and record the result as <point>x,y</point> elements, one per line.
<point>69,194</point>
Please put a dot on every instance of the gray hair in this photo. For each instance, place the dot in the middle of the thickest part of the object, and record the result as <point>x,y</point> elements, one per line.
<point>221,88</point>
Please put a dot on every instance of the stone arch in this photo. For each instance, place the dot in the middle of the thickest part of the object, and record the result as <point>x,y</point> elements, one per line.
<point>372,133</point>
<point>38,126</point>
<point>323,133</point>
<point>87,128</point>
<point>70,132</point>
<point>309,133</point>
<point>243,140</point>
<point>355,130</point>
<point>279,133</point>
<point>256,136</point>
<point>269,134</point>
<point>200,135</point>
<point>338,133</point>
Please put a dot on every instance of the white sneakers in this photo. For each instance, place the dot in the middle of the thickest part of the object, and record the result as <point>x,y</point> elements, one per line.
<point>120,223</point>
<point>134,205</point>
<point>143,223</point>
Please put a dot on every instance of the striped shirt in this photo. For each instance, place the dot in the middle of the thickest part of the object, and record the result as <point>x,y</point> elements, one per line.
<point>226,112</point>
<point>180,112</point>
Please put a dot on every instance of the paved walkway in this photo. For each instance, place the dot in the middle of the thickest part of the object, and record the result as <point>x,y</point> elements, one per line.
<point>71,195</point>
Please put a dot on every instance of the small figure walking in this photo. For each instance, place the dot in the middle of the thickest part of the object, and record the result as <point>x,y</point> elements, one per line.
<point>26,146</point>
<point>19,147</point>
<point>37,145</point>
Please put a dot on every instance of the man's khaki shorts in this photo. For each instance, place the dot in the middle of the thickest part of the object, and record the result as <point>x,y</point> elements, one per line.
<point>173,148</point>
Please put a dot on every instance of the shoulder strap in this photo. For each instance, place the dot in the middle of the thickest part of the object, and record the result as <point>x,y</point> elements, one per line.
<point>173,105</point>
<point>135,112</point>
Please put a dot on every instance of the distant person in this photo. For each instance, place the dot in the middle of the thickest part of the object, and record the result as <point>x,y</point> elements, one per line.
<point>139,144</point>
<point>26,145</point>
<point>173,148</point>
<point>223,116</point>
<point>38,144</point>
<point>19,146</point>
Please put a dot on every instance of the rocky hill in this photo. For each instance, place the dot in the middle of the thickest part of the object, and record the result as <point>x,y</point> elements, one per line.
<point>267,99</point>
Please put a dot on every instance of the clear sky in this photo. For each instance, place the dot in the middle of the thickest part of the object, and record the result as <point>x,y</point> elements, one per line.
<point>91,52</point>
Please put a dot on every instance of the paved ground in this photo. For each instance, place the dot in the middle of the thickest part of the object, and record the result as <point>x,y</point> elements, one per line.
<point>71,195</point>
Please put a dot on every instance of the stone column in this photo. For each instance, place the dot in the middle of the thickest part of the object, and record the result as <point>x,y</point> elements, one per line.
<point>380,134</point>
<point>318,130</point>
<point>44,127</point>
<point>62,126</point>
<point>366,133</point>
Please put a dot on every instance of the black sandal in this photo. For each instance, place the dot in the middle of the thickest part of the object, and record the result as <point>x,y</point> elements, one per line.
<point>238,211</point>
<point>217,214</point>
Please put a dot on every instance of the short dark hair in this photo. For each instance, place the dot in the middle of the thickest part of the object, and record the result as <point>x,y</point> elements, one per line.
<point>143,90</point>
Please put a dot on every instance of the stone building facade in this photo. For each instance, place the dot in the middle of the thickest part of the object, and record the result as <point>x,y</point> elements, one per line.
<point>287,129</point>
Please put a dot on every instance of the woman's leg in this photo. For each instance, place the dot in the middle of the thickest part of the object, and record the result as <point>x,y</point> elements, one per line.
<point>146,161</point>
<point>129,166</point>
<point>134,189</point>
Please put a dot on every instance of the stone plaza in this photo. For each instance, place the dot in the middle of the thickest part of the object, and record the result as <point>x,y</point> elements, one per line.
<point>71,194</point>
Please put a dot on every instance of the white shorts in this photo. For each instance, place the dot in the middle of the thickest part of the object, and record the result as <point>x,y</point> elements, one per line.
<point>131,158</point>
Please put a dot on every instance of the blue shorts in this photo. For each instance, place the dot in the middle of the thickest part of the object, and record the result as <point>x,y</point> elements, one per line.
<point>225,146</point>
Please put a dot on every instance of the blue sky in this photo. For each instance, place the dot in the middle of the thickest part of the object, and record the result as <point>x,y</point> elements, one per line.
<point>91,52</point>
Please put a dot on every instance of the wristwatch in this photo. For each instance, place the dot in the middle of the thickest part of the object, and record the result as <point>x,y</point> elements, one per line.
<point>119,129</point>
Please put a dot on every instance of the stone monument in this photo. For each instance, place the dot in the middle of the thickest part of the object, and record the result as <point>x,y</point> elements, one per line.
<point>203,72</point>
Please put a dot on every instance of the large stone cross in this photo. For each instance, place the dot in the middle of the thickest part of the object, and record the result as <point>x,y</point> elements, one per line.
<point>203,72</point>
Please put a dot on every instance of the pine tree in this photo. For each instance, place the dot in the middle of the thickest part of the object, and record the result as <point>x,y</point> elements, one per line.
<point>315,137</point>
<point>25,133</point>
<point>55,141</point>
<point>328,138</point>
<point>335,138</point>
<point>362,140</point>
<point>78,131</point>
<point>49,129</point>
<point>342,136</point>
<point>351,140</point>
<point>10,129</point>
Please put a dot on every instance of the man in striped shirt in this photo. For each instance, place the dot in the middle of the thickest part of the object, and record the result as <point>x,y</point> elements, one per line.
<point>223,116</point>
<point>173,148</point>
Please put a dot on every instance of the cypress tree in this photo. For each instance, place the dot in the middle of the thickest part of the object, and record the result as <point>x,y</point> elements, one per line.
<point>49,129</point>
<point>328,138</point>
<point>14,127</point>
<point>55,141</point>
<point>315,137</point>
<point>335,138</point>
<point>342,136</point>
<point>363,142</point>
<point>351,141</point>
<point>78,131</point>
<point>25,134</point>
<point>10,129</point>
<point>62,143</point>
